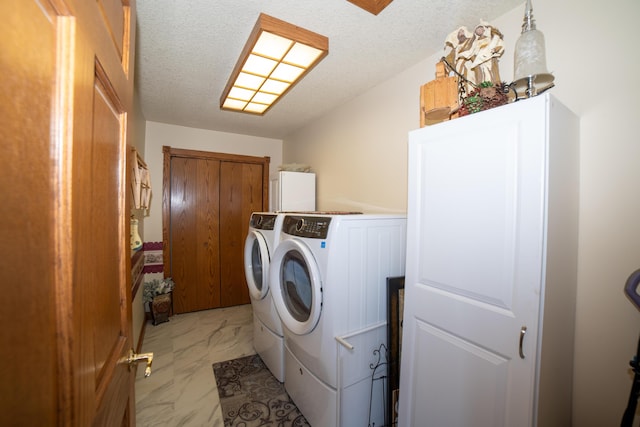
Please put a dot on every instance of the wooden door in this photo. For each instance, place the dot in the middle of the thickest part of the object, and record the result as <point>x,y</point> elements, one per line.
<point>194,233</point>
<point>241,193</point>
<point>207,203</point>
<point>475,236</point>
<point>65,254</point>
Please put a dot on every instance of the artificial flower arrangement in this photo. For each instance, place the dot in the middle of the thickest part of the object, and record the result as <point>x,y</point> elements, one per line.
<point>157,287</point>
<point>484,97</point>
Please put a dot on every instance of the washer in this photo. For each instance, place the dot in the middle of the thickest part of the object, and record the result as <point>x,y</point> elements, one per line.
<point>260,244</point>
<point>328,280</point>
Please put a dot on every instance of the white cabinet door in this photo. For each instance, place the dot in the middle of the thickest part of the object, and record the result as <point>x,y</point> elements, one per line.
<point>475,269</point>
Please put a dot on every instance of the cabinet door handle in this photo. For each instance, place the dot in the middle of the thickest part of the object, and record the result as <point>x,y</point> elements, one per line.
<point>523,331</point>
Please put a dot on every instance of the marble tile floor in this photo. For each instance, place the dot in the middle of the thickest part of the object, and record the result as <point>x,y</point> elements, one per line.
<point>181,390</point>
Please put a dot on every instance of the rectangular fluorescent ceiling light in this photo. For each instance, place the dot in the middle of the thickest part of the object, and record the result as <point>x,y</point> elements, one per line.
<point>276,56</point>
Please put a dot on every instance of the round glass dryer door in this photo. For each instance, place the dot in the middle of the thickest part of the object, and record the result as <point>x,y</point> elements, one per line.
<point>256,264</point>
<point>296,286</point>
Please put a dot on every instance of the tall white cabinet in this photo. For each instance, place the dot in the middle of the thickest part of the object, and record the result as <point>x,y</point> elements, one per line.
<point>491,269</point>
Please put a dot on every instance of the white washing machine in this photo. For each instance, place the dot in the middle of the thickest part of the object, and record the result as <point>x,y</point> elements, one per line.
<point>328,278</point>
<point>260,244</point>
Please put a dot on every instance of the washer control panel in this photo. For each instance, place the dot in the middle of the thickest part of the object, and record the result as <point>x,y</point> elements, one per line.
<point>314,227</point>
<point>263,221</point>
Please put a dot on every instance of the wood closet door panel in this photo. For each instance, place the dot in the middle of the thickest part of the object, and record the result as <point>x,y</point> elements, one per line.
<point>241,193</point>
<point>207,212</point>
<point>195,259</point>
<point>183,232</point>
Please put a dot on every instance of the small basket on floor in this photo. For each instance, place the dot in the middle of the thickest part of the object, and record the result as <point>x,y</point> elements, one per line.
<point>161,308</point>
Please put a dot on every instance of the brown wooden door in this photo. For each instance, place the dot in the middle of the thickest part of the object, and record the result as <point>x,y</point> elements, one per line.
<point>208,200</point>
<point>65,258</point>
<point>194,233</point>
<point>241,193</point>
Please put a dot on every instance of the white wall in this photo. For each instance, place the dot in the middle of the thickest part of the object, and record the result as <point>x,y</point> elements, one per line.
<point>359,153</point>
<point>161,134</point>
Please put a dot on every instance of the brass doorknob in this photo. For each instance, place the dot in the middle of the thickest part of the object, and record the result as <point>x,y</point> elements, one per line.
<point>135,357</point>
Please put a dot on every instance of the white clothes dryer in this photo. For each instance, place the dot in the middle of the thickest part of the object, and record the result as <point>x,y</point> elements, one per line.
<point>260,244</point>
<point>328,278</point>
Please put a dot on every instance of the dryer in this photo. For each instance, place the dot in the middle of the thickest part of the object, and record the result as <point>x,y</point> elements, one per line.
<point>328,281</point>
<point>260,244</point>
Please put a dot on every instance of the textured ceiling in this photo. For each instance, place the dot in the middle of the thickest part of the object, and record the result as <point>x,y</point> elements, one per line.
<point>187,49</point>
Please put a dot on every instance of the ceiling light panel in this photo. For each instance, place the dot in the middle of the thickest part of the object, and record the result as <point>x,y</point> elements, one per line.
<point>276,56</point>
<point>264,98</point>
<point>234,104</point>
<point>272,46</point>
<point>286,73</point>
<point>259,65</point>
<point>274,86</point>
<point>302,55</point>
<point>241,94</point>
<point>249,81</point>
<point>255,108</point>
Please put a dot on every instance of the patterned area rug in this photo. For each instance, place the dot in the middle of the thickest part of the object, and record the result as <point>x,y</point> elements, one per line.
<point>251,396</point>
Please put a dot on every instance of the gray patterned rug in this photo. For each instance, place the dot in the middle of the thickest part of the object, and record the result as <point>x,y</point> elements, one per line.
<point>251,396</point>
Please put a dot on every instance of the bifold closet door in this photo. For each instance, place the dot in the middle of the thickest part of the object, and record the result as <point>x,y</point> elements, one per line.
<point>194,233</point>
<point>241,193</point>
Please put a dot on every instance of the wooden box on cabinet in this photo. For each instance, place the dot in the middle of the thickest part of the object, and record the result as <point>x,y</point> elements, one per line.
<point>439,98</point>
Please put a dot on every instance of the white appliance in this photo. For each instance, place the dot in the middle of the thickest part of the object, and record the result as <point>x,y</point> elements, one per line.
<point>292,191</point>
<point>260,244</point>
<point>490,284</point>
<point>328,279</point>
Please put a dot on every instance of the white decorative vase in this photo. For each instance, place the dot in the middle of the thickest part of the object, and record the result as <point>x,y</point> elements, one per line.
<point>136,240</point>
